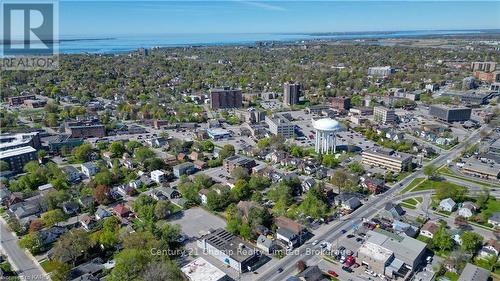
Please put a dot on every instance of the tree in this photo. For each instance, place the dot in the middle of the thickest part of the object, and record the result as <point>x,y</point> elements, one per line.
<point>132,145</point>
<point>4,166</point>
<point>165,270</point>
<point>35,225</point>
<point>483,197</point>
<point>117,148</point>
<point>208,146</point>
<point>226,151</point>
<point>52,217</point>
<point>241,190</point>
<point>471,242</point>
<point>41,154</point>
<point>162,209</point>
<point>448,190</point>
<point>301,265</point>
<point>60,272</point>
<point>259,182</point>
<point>141,154</point>
<point>129,264</point>
<point>442,240</point>
<point>32,242</point>
<point>330,161</point>
<point>342,180</point>
<point>239,173</point>
<point>313,205</point>
<point>82,152</point>
<point>356,167</point>
<point>430,171</point>
<point>104,178</point>
<point>102,194</point>
<point>72,244</point>
<point>154,164</point>
<point>245,231</point>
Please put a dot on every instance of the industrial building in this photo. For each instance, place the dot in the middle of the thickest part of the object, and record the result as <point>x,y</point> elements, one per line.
<point>230,250</point>
<point>450,114</point>
<point>388,159</point>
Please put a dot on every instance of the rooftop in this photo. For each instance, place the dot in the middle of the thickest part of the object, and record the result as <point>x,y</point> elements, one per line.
<point>230,244</point>
<point>202,270</point>
<point>326,124</point>
<point>16,151</point>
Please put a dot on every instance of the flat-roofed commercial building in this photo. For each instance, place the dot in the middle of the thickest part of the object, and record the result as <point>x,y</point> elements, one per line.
<point>85,129</point>
<point>279,125</point>
<point>384,115</point>
<point>18,157</point>
<point>230,250</point>
<point>225,98</point>
<point>380,71</point>
<point>390,254</point>
<point>201,270</point>
<point>387,159</point>
<point>450,114</point>
<point>483,170</point>
<point>10,141</point>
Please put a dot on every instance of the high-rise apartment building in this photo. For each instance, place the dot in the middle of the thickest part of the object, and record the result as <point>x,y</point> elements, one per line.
<point>291,93</point>
<point>225,98</point>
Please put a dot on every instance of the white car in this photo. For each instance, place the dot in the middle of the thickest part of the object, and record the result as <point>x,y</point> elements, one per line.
<point>315,242</point>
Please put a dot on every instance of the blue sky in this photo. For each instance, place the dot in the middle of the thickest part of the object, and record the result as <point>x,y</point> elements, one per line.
<point>101,18</point>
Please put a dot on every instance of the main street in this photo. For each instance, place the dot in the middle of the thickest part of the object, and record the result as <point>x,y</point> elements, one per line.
<point>288,263</point>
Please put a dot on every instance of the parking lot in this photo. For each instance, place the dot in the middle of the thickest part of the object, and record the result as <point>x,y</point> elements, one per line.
<point>195,222</point>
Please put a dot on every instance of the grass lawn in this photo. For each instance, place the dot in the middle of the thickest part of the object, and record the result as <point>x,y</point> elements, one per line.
<point>48,266</point>
<point>451,275</point>
<point>431,184</point>
<point>419,199</point>
<point>408,206</point>
<point>492,206</point>
<point>412,184</point>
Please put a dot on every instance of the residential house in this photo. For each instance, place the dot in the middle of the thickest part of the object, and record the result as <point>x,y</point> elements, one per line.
<point>137,183</point>
<point>102,214</point>
<point>494,219</point>
<point>86,202</point>
<point>183,169</point>
<point>474,273</point>
<point>491,248</point>
<point>158,176</point>
<point>70,208</point>
<point>374,185</point>
<point>312,273</point>
<point>290,232</point>
<point>429,229</point>
<point>125,190</point>
<point>121,211</point>
<point>351,204</point>
<point>392,211</point>
<point>4,195</point>
<point>49,236</point>
<point>308,184</point>
<point>193,156</point>
<point>89,169</point>
<point>447,205</point>
<point>172,193</point>
<point>87,222</point>
<point>467,209</point>
<point>32,206</point>
<point>265,244</point>
<point>200,165</point>
<point>72,174</point>
<point>203,195</point>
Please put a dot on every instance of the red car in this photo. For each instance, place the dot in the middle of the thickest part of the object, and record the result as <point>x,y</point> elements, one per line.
<point>333,273</point>
<point>349,261</point>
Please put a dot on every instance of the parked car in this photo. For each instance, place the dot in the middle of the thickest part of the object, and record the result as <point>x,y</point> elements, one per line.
<point>333,273</point>
<point>347,269</point>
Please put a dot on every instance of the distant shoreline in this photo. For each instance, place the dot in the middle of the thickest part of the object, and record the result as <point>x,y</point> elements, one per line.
<point>125,44</point>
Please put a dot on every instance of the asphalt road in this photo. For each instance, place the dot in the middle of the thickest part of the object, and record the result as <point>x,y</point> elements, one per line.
<point>26,267</point>
<point>288,263</point>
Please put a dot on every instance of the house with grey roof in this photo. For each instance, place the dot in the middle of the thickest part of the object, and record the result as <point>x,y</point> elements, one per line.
<point>494,219</point>
<point>89,169</point>
<point>474,273</point>
<point>265,244</point>
<point>447,205</point>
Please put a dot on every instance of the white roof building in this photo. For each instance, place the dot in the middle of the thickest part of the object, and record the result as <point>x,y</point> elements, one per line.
<point>202,270</point>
